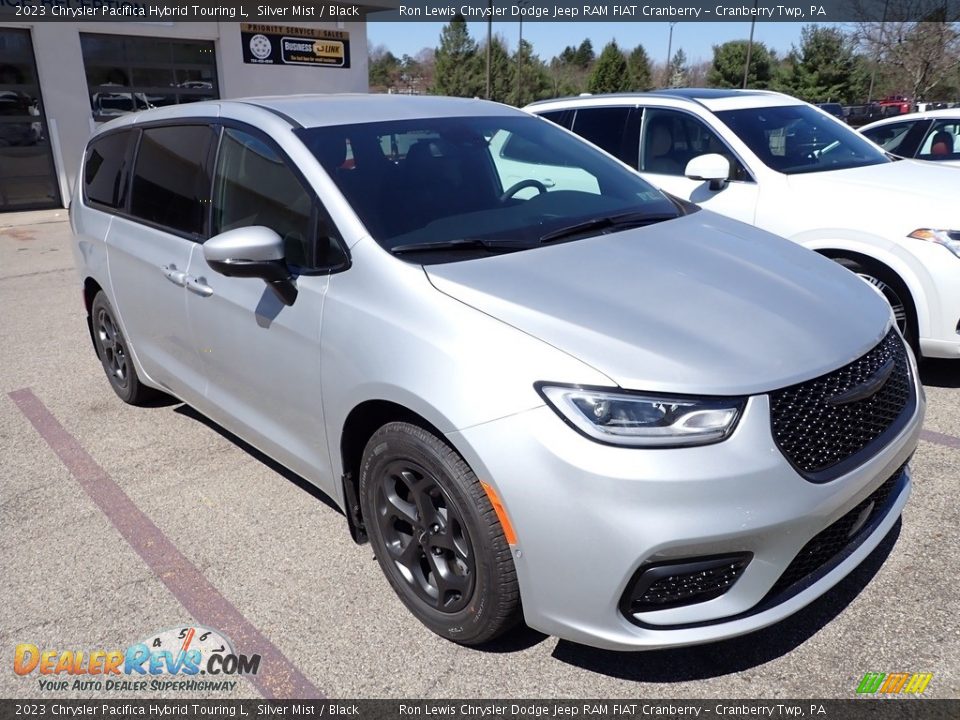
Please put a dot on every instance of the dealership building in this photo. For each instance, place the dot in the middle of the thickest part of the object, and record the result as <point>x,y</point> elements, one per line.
<point>59,80</point>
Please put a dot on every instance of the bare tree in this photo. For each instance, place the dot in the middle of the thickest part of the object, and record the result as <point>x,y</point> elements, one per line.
<point>697,73</point>
<point>376,52</point>
<point>915,43</point>
<point>425,59</point>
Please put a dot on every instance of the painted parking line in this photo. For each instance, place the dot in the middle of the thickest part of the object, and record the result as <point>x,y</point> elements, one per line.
<point>278,677</point>
<point>940,438</point>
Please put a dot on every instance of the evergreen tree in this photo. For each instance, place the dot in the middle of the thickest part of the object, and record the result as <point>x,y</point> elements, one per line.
<point>502,80</point>
<point>383,69</point>
<point>534,81</point>
<point>584,56</point>
<point>610,71</point>
<point>638,65</point>
<point>678,69</point>
<point>568,55</point>
<point>568,72</point>
<point>825,68</point>
<point>729,60</point>
<point>459,69</point>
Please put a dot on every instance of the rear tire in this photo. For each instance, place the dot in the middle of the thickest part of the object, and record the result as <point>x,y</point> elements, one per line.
<point>436,536</point>
<point>895,292</point>
<point>114,354</point>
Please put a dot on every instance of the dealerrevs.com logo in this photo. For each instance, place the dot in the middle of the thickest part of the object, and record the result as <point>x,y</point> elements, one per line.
<point>169,660</point>
<point>894,683</point>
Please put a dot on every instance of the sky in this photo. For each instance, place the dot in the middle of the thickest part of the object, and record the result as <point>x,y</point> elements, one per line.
<point>549,38</point>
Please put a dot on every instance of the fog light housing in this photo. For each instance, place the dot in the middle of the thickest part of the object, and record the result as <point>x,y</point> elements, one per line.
<point>676,583</point>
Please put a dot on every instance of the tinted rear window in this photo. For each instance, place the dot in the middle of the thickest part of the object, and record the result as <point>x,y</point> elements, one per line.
<point>104,169</point>
<point>604,127</point>
<point>563,118</point>
<point>171,184</point>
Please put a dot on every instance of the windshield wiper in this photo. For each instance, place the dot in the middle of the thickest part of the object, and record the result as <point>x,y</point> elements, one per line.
<point>624,220</point>
<point>459,244</point>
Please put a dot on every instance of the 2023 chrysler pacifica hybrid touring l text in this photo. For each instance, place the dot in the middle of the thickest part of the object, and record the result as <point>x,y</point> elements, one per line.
<point>652,424</point>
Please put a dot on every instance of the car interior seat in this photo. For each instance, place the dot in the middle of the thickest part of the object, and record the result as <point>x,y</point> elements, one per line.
<point>942,144</point>
<point>659,154</point>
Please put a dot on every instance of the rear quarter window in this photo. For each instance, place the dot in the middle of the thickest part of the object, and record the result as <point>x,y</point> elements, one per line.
<point>563,118</point>
<point>104,169</point>
<point>607,128</point>
<point>171,180</point>
<point>522,150</point>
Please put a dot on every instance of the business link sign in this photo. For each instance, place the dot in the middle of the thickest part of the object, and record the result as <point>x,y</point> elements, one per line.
<point>283,45</point>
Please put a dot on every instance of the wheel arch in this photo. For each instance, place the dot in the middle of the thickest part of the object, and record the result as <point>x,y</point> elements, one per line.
<point>358,427</point>
<point>90,289</point>
<point>870,250</point>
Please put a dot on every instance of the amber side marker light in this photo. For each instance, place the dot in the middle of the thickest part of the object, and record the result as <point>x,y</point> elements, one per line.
<point>501,512</point>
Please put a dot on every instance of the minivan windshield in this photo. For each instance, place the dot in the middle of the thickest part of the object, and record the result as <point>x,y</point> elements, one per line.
<point>453,187</point>
<point>795,139</point>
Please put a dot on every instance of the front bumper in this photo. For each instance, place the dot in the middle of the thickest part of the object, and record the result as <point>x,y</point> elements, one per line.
<point>587,516</point>
<point>940,328</point>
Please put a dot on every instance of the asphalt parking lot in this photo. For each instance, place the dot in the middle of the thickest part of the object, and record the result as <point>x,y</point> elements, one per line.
<point>119,522</point>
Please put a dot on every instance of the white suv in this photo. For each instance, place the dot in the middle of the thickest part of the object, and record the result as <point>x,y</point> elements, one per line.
<point>790,168</point>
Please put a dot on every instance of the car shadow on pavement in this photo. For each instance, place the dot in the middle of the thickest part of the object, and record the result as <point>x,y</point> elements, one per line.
<point>297,480</point>
<point>940,373</point>
<point>161,400</point>
<point>520,638</point>
<point>737,654</point>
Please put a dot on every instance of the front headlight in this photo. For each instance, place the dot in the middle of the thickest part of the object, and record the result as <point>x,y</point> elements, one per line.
<point>619,417</point>
<point>950,239</point>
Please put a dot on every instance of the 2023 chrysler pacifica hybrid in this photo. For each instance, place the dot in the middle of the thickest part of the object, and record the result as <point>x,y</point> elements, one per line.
<point>648,422</point>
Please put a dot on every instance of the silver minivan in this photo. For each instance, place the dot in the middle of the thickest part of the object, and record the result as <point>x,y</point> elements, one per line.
<point>573,400</point>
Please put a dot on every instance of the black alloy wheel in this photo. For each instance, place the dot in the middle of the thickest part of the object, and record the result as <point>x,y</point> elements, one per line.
<point>425,536</point>
<point>436,535</point>
<point>114,353</point>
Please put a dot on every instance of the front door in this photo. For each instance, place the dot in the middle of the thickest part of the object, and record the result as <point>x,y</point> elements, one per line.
<point>672,138</point>
<point>262,357</point>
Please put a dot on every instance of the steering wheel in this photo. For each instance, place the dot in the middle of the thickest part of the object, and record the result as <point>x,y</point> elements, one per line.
<point>514,189</point>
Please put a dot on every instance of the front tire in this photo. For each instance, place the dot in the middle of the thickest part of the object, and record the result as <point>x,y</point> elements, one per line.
<point>114,354</point>
<point>436,535</point>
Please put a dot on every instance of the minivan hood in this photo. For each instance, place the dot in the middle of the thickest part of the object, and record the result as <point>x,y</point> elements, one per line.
<point>701,304</point>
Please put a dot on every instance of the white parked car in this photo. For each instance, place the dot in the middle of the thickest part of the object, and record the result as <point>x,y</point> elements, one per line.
<point>792,169</point>
<point>933,135</point>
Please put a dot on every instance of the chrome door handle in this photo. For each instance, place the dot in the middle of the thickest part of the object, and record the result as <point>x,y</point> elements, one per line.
<point>198,286</point>
<point>177,277</point>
